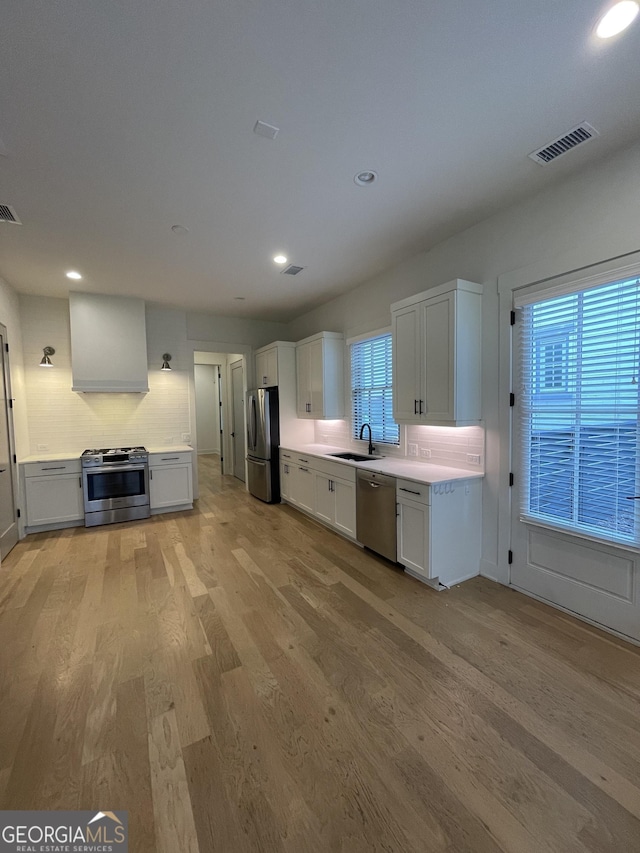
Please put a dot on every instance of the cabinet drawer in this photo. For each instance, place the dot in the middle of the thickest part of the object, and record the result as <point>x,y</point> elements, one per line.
<point>418,492</point>
<point>287,455</point>
<point>55,466</point>
<point>157,460</point>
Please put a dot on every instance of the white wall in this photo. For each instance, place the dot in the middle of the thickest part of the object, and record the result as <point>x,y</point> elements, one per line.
<point>590,217</point>
<point>207,408</point>
<point>10,318</point>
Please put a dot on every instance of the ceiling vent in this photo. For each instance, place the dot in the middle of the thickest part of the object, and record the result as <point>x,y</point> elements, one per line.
<point>292,269</point>
<point>8,214</point>
<point>576,136</point>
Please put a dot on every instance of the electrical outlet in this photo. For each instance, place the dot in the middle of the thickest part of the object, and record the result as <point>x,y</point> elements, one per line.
<point>413,449</point>
<point>186,437</point>
<point>473,458</point>
<point>425,452</point>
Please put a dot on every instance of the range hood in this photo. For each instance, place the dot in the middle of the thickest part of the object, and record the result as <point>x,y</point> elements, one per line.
<point>108,343</point>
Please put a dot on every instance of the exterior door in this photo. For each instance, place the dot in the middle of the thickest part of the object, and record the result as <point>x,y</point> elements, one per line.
<point>574,470</point>
<point>8,523</point>
<point>237,410</point>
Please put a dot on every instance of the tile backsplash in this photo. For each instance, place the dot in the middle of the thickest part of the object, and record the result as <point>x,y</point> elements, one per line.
<point>62,420</point>
<point>459,447</point>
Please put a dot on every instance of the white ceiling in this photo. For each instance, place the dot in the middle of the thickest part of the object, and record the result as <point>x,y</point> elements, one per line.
<point>120,119</point>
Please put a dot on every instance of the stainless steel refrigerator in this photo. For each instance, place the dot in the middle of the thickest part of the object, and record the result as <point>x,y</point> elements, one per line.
<point>263,440</point>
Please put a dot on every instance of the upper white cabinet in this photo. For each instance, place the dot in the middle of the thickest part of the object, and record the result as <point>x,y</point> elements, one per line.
<point>437,356</point>
<point>320,380</point>
<point>108,343</point>
<point>271,363</point>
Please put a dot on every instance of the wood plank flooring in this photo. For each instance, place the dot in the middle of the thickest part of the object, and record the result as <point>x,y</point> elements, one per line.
<point>240,679</point>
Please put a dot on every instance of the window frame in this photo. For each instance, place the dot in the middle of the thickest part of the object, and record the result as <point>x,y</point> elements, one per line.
<point>389,449</point>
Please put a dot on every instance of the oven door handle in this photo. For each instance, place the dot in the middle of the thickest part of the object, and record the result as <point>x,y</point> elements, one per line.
<point>115,468</point>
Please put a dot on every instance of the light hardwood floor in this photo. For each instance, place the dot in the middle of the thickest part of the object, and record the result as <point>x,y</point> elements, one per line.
<point>240,679</point>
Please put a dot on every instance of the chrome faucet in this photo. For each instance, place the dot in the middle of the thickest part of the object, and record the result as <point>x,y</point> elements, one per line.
<point>371,447</point>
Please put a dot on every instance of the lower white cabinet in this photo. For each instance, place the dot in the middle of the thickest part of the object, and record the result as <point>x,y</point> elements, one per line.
<point>326,490</point>
<point>170,481</point>
<point>53,494</point>
<point>439,530</point>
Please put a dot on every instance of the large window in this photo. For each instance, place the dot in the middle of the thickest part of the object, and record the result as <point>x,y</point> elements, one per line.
<point>371,389</point>
<point>579,410</point>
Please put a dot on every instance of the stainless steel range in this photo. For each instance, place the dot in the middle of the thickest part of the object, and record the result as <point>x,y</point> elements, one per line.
<point>115,485</point>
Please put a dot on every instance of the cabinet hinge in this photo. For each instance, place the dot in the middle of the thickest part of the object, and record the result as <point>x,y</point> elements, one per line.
<point>6,347</point>
<point>15,458</point>
<point>511,478</point>
<point>510,557</point>
<point>513,318</point>
<point>18,513</point>
<point>11,404</point>
<point>512,399</point>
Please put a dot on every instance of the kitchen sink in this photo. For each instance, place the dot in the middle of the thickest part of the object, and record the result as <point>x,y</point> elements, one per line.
<point>354,457</point>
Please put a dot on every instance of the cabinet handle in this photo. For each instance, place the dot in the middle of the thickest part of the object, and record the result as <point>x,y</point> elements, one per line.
<point>415,407</point>
<point>304,469</point>
<point>80,482</point>
<point>304,460</point>
<point>411,492</point>
<point>286,455</point>
<point>151,473</point>
<point>57,468</point>
<point>169,458</point>
<point>2,470</point>
<point>420,412</point>
<point>264,380</point>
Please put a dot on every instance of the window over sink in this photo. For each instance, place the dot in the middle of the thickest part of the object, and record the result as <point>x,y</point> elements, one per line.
<point>372,390</point>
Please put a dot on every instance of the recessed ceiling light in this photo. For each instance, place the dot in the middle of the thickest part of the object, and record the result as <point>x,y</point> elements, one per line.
<point>617,19</point>
<point>179,229</point>
<point>366,178</point>
<point>74,275</point>
<point>280,259</point>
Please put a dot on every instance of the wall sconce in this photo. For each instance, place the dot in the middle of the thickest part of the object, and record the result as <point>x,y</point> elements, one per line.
<point>166,358</point>
<point>46,361</point>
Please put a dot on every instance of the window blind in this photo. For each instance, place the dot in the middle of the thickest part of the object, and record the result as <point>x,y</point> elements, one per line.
<point>371,387</point>
<point>578,411</point>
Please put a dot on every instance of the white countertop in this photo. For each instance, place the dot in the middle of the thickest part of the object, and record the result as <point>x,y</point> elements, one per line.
<point>418,472</point>
<point>76,454</point>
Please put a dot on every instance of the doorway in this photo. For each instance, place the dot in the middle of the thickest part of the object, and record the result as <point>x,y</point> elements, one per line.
<point>8,514</point>
<point>219,378</point>
<point>238,425</point>
<point>575,518</point>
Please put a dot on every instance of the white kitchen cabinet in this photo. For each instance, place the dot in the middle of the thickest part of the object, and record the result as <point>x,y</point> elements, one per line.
<point>320,379</point>
<point>437,356</point>
<point>53,494</point>
<point>303,488</point>
<point>170,481</point>
<point>271,363</point>
<point>324,489</point>
<point>439,530</point>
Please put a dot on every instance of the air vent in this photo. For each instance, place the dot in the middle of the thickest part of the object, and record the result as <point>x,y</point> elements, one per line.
<point>8,214</point>
<point>576,136</point>
<point>292,269</point>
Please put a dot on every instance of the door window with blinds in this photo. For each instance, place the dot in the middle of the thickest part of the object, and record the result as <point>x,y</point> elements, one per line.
<point>578,410</point>
<point>371,389</point>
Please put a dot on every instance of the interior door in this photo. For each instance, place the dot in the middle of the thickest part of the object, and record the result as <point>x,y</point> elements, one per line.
<point>8,523</point>
<point>593,579</point>
<point>237,411</point>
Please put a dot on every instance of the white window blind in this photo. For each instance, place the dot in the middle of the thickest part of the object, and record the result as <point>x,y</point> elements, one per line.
<point>579,361</point>
<point>371,389</point>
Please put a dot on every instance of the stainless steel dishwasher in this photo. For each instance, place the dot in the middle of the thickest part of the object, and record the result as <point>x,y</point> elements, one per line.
<point>376,513</point>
